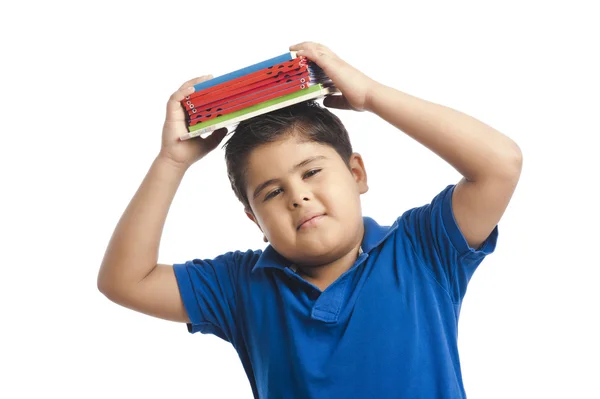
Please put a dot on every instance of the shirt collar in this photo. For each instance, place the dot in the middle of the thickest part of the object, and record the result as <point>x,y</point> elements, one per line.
<point>374,235</point>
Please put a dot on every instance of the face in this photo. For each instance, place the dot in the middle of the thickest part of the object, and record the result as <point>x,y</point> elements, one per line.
<point>289,181</point>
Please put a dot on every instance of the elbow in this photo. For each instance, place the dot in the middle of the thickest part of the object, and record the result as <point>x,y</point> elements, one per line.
<point>515,162</point>
<point>101,279</point>
<point>104,285</point>
<point>509,163</point>
<point>109,292</point>
<point>504,166</point>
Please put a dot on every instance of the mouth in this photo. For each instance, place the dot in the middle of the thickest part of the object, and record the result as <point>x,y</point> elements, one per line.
<point>310,221</point>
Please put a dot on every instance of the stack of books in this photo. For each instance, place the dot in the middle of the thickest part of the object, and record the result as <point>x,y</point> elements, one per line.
<point>254,90</point>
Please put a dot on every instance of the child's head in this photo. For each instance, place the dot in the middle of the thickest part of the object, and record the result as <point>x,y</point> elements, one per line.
<point>267,166</point>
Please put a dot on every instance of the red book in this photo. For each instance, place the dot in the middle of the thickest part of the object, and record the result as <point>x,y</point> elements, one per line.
<point>249,100</point>
<point>304,76</point>
<point>239,89</point>
<point>252,77</point>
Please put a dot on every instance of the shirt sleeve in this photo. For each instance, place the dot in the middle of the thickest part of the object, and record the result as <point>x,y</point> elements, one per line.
<point>441,246</point>
<point>209,294</point>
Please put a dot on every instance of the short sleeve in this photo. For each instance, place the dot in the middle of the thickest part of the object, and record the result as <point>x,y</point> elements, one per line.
<point>208,289</point>
<point>441,246</point>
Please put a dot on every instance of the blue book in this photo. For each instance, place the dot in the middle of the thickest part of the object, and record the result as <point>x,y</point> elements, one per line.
<point>245,71</point>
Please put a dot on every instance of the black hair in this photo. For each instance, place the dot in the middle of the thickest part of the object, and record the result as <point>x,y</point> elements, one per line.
<point>307,120</point>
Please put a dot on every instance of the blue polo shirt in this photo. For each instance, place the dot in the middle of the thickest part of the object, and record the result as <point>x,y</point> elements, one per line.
<point>386,328</point>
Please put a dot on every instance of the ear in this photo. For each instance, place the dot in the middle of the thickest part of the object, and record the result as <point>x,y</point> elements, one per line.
<point>252,217</point>
<point>359,173</point>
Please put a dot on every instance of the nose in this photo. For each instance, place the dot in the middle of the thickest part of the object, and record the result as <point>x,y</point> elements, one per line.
<point>299,197</point>
<point>296,204</point>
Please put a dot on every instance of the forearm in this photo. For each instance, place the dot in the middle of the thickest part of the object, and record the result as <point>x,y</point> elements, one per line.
<point>473,148</point>
<point>132,252</point>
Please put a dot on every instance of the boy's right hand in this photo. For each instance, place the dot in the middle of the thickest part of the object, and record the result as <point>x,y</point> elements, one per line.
<point>187,152</point>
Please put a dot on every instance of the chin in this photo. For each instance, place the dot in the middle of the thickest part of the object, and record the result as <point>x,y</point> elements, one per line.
<point>318,255</point>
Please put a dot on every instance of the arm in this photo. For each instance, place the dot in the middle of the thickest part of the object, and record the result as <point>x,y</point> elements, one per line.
<point>489,162</point>
<point>129,274</point>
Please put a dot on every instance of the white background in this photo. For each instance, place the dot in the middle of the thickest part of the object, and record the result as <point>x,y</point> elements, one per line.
<point>83,92</point>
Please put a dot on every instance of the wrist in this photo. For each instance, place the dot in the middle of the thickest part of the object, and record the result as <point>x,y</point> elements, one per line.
<point>165,159</point>
<point>372,92</point>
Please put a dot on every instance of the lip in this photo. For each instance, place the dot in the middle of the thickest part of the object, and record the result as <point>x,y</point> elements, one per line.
<point>308,217</point>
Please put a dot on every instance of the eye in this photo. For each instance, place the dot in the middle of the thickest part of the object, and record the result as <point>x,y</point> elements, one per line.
<point>311,173</point>
<point>272,194</point>
<point>276,192</point>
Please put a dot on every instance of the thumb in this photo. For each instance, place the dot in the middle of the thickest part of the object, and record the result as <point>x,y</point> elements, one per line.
<point>212,141</point>
<point>338,102</point>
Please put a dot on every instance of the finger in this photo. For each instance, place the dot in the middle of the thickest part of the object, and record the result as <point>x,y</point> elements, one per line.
<point>338,102</point>
<point>300,46</point>
<point>309,46</point>
<point>312,49</point>
<point>174,103</point>
<point>212,141</point>
<point>322,57</point>
<point>195,81</point>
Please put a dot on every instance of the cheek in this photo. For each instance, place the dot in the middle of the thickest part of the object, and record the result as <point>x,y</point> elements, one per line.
<point>338,192</point>
<point>274,221</point>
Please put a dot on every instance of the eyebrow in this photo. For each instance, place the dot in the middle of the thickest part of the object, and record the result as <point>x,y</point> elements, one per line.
<point>262,186</point>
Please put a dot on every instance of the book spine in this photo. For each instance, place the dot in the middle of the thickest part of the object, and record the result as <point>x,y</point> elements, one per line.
<point>257,106</point>
<point>251,99</point>
<point>251,78</point>
<point>203,101</point>
<point>245,71</point>
<point>246,91</point>
<point>262,108</point>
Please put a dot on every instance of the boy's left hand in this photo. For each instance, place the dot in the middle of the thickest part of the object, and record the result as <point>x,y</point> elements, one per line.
<point>354,85</point>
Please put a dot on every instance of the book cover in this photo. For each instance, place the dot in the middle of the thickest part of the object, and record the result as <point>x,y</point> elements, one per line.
<point>210,98</point>
<point>286,97</point>
<point>251,97</point>
<point>310,93</point>
<point>245,71</point>
<point>257,76</point>
<point>254,90</point>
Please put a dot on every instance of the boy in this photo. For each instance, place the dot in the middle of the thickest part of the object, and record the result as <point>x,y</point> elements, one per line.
<point>336,306</point>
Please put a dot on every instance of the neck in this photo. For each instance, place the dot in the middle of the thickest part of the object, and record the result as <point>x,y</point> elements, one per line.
<point>323,276</point>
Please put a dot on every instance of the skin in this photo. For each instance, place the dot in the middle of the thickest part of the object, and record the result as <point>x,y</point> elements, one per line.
<point>322,251</point>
